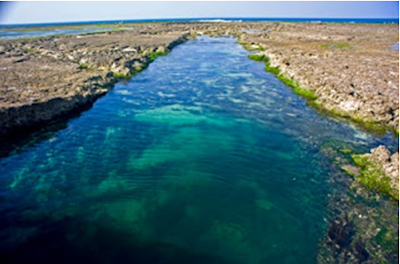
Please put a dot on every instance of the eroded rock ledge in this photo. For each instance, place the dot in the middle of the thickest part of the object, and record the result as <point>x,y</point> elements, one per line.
<point>45,78</point>
<point>350,67</point>
<point>351,71</point>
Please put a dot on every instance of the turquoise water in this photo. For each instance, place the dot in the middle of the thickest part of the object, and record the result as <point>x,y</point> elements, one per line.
<point>202,158</point>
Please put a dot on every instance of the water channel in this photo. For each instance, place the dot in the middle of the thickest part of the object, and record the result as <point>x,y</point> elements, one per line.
<point>204,157</point>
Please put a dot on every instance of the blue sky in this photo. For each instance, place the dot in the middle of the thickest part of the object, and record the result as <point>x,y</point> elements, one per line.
<point>45,12</point>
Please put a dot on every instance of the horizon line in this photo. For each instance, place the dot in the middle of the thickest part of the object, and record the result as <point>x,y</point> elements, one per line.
<point>187,18</point>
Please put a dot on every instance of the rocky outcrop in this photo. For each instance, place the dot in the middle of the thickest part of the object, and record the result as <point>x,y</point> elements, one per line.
<point>350,67</point>
<point>42,79</point>
<point>38,113</point>
<point>380,167</point>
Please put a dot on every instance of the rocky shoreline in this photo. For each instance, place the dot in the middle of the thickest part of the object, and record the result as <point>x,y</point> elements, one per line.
<point>331,65</point>
<point>348,71</point>
<point>46,78</point>
<point>350,67</point>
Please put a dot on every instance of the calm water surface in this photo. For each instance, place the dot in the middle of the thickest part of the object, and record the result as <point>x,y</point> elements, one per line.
<point>202,158</point>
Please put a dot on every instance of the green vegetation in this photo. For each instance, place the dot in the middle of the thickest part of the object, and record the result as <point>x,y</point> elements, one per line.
<point>257,57</point>
<point>307,94</point>
<point>153,55</point>
<point>346,151</point>
<point>338,46</point>
<point>373,178</point>
<point>29,50</point>
<point>368,125</point>
<point>251,47</point>
<point>83,66</point>
<point>293,84</point>
<point>121,75</point>
<point>273,70</point>
<point>387,239</point>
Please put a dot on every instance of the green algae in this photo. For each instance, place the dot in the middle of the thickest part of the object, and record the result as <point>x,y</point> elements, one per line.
<point>271,69</point>
<point>288,81</point>
<point>338,46</point>
<point>373,178</point>
<point>83,66</point>
<point>346,151</point>
<point>387,239</point>
<point>154,55</point>
<point>257,57</point>
<point>261,48</point>
<point>122,75</point>
<point>311,97</point>
<point>307,94</point>
<point>251,47</point>
<point>365,125</point>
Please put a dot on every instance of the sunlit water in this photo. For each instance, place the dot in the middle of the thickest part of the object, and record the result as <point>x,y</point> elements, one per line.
<point>202,158</point>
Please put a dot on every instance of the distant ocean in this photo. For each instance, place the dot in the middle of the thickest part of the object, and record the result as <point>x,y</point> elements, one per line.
<point>39,30</point>
<point>234,19</point>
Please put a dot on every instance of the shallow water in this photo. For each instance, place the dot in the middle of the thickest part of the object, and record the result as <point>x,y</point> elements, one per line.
<point>202,158</point>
